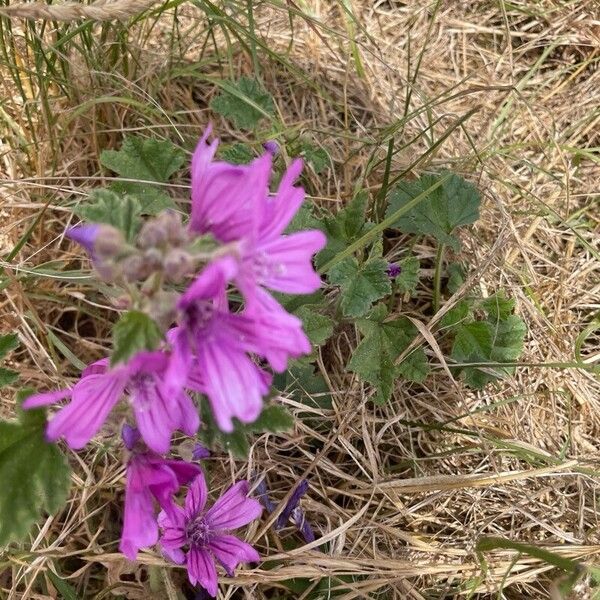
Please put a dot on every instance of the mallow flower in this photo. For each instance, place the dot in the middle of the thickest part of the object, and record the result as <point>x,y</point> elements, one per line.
<point>198,537</point>
<point>158,411</point>
<point>210,349</point>
<point>233,203</point>
<point>150,478</point>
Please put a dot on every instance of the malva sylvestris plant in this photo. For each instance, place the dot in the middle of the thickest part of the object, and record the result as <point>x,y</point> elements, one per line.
<point>201,318</point>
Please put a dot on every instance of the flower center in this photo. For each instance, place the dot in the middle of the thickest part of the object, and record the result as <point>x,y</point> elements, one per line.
<point>144,386</point>
<point>199,315</point>
<point>265,266</point>
<point>198,532</point>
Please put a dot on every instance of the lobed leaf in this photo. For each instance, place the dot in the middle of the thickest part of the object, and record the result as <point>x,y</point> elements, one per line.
<point>134,332</point>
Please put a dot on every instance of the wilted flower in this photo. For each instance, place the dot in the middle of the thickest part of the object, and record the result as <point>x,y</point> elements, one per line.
<point>149,477</point>
<point>158,411</point>
<point>197,537</point>
<point>272,147</point>
<point>199,452</point>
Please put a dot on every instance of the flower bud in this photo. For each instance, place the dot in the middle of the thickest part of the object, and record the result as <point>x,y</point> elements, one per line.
<point>153,259</point>
<point>152,234</point>
<point>134,267</point>
<point>163,308</point>
<point>176,232</point>
<point>177,264</point>
<point>109,242</point>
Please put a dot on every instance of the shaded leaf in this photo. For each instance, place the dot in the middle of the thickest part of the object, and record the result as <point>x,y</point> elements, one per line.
<point>7,376</point>
<point>498,306</point>
<point>244,102</point>
<point>361,285</point>
<point>34,475</point>
<point>106,206</point>
<point>409,275</point>
<point>134,332</point>
<point>238,154</point>
<point>415,367</point>
<point>454,203</point>
<point>8,343</point>
<point>316,156</point>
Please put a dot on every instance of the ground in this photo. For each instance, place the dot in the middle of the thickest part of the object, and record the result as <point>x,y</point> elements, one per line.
<point>505,93</point>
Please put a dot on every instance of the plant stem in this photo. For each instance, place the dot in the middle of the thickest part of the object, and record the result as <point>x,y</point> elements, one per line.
<point>437,278</point>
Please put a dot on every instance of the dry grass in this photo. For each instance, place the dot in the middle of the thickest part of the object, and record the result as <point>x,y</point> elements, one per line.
<point>401,494</point>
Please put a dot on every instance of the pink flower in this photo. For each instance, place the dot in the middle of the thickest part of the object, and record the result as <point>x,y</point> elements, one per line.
<point>210,349</point>
<point>197,537</point>
<point>150,477</point>
<point>232,202</point>
<point>158,411</point>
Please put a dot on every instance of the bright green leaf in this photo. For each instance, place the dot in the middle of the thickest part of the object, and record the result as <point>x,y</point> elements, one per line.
<point>134,332</point>
<point>34,475</point>
<point>8,343</point>
<point>106,206</point>
<point>454,203</point>
<point>409,275</point>
<point>317,327</point>
<point>244,102</point>
<point>361,285</point>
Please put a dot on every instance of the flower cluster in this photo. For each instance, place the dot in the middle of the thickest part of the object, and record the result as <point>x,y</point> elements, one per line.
<point>207,284</point>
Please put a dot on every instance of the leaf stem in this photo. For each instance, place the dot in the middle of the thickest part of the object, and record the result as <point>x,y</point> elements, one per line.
<point>437,277</point>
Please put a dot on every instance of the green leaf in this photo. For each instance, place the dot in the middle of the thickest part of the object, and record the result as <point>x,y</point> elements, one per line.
<point>456,277</point>
<point>274,418</point>
<point>133,332</point>
<point>383,341</point>
<point>454,203</point>
<point>108,207</point>
<point>409,275</point>
<point>361,285</point>
<point>7,376</point>
<point>317,327</point>
<point>66,590</point>
<point>486,341</point>
<point>8,343</point>
<point>244,102</point>
<point>345,227</point>
<point>146,160</point>
<point>305,385</point>
<point>317,157</point>
<point>304,219</point>
<point>415,367</point>
<point>457,314</point>
<point>238,154</point>
<point>34,475</point>
<point>498,306</point>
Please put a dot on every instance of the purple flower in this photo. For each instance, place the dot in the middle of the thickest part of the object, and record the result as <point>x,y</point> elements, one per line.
<point>210,349</point>
<point>303,525</point>
<point>150,477</point>
<point>232,202</point>
<point>262,494</point>
<point>292,503</point>
<point>272,147</point>
<point>197,537</point>
<point>158,411</point>
<point>224,196</point>
<point>85,235</point>
<point>393,270</point>
<point>199,452</point>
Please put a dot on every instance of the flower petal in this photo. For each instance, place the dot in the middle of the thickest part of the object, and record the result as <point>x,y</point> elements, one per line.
<point>45,398</point>
<point>234,384</point>
<point>287,262</point>
<point>92,400</point>
<point>196,497</point>
<point>201,569</point>
<point>85,235</point>
<point>230,552</point>
<point>233,509</point>
<point>210,283</point>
